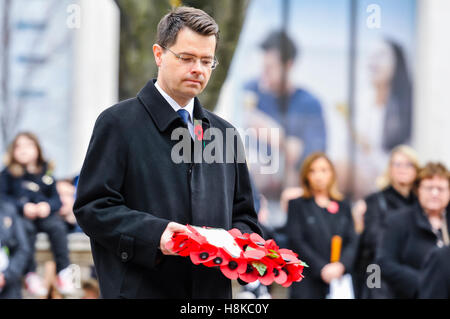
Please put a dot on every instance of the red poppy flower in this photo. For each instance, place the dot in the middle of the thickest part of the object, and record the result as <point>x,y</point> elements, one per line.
<point>220,259</point>
<point>257,240</point>
<point>175,241</point>
<point>196,236</point>
<point>294,274</point>
<point>190,246</point>
<point>250,275</point>
<point>204,254</point>
<point>280,276</point>
<point>242,240</point>
<point>289,256</point>
<point>235,232</point>
<point>271,245</point>
<point>198,131</point>
<point>234,268</point>
<point>254,253</point>
<point>333,207</point>
<point>268,276</point>
<point>181,244</point>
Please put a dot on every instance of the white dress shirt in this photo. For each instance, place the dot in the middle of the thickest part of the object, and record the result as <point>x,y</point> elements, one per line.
<point>189,107</point>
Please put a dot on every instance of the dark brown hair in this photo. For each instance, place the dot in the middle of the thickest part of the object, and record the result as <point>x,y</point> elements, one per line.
<point>11,163</point>
<point>431,170</point>
<point>333,191</point>
<point>195,19</point>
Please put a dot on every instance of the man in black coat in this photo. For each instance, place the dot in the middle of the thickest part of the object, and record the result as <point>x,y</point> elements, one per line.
<point>134,193</point>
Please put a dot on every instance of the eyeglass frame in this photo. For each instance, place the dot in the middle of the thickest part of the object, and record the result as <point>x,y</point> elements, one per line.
<point>429,189</point>
<point>178,56</point>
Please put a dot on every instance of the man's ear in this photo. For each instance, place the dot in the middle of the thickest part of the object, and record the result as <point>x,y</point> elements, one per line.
<point>157,52</point>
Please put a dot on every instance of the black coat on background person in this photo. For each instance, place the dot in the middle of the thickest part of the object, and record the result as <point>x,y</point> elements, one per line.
<point>130,189</point>
<point>35,188</point>
<point>14,238</point>
<point>379,206</point>
<point>406,244</point>
<point>30,188</point>
<point>309,230</point>
<point>435,275</point>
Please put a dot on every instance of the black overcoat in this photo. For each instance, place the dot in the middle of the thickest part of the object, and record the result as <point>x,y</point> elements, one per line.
<point>310,229</point>
<point>406,244</point>
<point>379,205</point>
<point>130,189</point>
<point>435,276</point>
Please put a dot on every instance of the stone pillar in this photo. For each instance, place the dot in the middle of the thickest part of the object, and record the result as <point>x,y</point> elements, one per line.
<point>432,78</point>
<point>96,71</point>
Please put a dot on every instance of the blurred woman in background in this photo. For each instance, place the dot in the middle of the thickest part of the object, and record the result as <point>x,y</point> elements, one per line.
<point>28,183</point>
<point>313,220</point>
<point>14,252</point>
<point>384,112</point>
<point>370,214</point>
<point>412,234</point>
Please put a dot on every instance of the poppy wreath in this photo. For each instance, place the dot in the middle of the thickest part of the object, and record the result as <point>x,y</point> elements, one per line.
<point>259,259</point>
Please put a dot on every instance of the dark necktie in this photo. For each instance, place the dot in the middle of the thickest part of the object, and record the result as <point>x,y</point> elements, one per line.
<point>184,115</point>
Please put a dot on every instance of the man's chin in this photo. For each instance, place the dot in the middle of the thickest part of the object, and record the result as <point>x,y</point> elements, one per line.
<point>191,92</point>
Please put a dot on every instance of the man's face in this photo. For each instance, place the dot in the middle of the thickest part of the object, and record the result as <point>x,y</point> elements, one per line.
<point>273,71</point>
<point>181,80</point>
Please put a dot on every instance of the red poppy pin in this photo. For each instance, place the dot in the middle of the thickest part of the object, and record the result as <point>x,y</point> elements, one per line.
<point>333,207</point>
<point>198,130</point>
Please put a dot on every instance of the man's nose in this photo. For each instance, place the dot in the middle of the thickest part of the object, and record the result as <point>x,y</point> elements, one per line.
<point>197,67</point>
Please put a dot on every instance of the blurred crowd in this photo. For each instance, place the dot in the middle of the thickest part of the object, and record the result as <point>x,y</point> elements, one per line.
<point>403,229</point>
<point>32,201</point>
<point>386,237</point>
<point>392,242</point>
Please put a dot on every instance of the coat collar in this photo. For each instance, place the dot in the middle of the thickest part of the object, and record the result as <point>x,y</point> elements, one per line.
<point>421,218</point>
<point>396,199</point>
<point>161,112</point>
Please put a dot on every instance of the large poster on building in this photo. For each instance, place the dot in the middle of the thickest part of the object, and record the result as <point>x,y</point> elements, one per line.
<point>383,117</point>
<point>291,72</point>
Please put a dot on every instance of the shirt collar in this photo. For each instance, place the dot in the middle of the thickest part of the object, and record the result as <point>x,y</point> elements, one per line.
<point>189,107</point>
<point>162,113</point>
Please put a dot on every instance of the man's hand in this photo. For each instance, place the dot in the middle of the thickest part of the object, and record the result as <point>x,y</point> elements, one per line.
<point>43,209</point>
<point>171,228</point>
<point>30,211</point>
<point>332,271</point>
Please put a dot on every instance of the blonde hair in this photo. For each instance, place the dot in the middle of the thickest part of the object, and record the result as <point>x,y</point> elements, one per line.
<point>333,190</point>
<point>385,180</point>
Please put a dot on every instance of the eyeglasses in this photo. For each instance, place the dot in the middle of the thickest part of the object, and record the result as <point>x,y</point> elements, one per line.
<point>402,165</point>
<point>189,59</point>
<point>429,189</point>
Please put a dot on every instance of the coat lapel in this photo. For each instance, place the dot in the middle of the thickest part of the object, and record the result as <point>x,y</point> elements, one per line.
<point>161,112</point>
<point>157,107</point>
